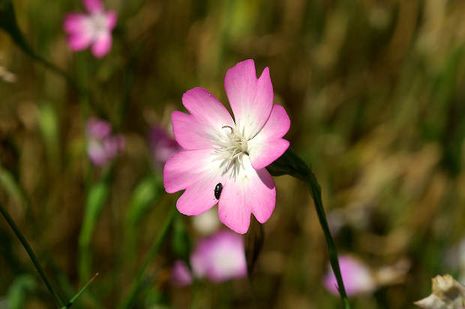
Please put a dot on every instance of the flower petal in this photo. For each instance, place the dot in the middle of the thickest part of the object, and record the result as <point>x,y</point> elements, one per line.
<point>102,45</point>
<point>111,19</point>
<point>250,192</point>
<point>93,5</point>
<point>79,41</point>
<point>185,168</point>
<point>251,99</point>
<point>268,145</point>
<point>75,23</point>
<point>206,108</point>
<point>220,257</point>
<point>264,196</point>
<point>198,197</point>
<point>191,133</point>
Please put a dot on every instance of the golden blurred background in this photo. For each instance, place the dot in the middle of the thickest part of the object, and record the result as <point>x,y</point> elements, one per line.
<point>376,95</point>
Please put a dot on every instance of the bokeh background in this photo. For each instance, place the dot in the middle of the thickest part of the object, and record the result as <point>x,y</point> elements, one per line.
<point>376,94</point>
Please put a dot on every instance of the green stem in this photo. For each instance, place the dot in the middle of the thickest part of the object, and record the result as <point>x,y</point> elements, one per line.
<point>315,189</point>
<point>128,302</point>
<point>31,254</point>
<point>290,164</point>
<point>79,293</point>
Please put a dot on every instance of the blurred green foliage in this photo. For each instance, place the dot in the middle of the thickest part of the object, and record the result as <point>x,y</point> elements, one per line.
<point>376,94</point>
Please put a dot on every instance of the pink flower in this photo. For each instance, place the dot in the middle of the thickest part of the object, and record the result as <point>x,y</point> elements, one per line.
<point>219,258</point>
<point>180,274</point>
<point>357,277</point>
<point>222,159</point>
<point>102,145</point>
<point>92,29</point>
<point>163,146</point>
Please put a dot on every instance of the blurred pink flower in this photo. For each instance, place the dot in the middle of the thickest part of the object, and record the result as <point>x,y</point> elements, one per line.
<point>163,146</point>
<point>102,145</point>
<point>223,160</point>
<point>92,29</point>
<point>357,277</point>
<point>218,258</point>
<point>180,274</point>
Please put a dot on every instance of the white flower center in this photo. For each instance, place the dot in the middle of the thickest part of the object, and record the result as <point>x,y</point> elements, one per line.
<point>230,149</point>
<point>98,24</point>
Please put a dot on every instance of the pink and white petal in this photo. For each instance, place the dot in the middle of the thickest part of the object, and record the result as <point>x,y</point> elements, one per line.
<point>93,5</point>
<point>207,109</point>
<point>233,210</point>
<point>79,41</point>
<point>102,45</point>
<point>250,192</point>
<point>198,197</point>
<point>180,274</point>
<point>227,257</point>
<point>267,145</point>
<point>251,99</point>
<point>277,124</point>
<point>96,153</point>
<point>111,19</point>
<point>185,168</point>
<point>264,196</point>
<point>75,23</point>
<point>191,133</point>
<point>263,153</point>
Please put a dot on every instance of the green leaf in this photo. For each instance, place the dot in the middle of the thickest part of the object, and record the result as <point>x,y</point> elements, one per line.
<point>48,124</point>
<point>19,291</point>
<point>95,200</point>
<point>145,194</point>
<point>180,241</point>
<point>12,188</point>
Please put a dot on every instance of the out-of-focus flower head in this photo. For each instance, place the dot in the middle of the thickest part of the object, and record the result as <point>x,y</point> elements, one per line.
<point>218,258</point>
<point>206,223</point>
<point>162,145</point>
<point>223,159</point>
<point>92,29</point>
<point>102,145</point>
<point>180,274</point>
<point>447,294</point>
<point>357,277</point>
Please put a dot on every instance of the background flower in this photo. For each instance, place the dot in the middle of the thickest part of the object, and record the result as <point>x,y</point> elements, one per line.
<point>92,29</point>
<point>357,277</point>
<point>102,145</point>
<point>162,145</point>
<point>218,258</point>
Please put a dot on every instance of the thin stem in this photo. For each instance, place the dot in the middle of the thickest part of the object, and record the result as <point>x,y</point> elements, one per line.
<point>31,254</point>
<point>332,251</point>
<point>79,293</point>
<point>290,164</point>
<point>148,259</point>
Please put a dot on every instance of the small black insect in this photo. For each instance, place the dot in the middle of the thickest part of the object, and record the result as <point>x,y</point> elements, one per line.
<point>218,189</point>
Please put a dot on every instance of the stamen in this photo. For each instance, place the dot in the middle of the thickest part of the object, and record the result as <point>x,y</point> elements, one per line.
<point>231,148</point>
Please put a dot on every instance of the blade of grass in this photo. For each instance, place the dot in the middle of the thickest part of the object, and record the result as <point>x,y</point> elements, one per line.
<point>82,290</point>
<point>96,198</point>
<point>139,280</point>
<point>22,239</point>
